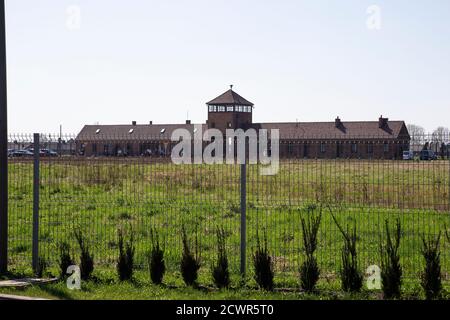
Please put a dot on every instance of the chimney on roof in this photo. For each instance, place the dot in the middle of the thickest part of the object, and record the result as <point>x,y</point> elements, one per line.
<point>188,121</point>
<point>151,122</point>
<point>383,122</point>
<point>338,122</point>
<point>134,123</point>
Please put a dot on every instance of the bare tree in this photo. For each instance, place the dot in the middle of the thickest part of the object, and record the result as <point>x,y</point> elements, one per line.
<point>417,134</point>
<point>441,139</point>
<point>441,134</point>
<point>415,129</point>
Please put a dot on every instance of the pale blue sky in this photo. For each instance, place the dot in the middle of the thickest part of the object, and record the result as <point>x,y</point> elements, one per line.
<point>156,60</point>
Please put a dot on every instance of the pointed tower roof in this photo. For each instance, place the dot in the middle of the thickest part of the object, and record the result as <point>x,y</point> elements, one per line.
<point>230,98</point>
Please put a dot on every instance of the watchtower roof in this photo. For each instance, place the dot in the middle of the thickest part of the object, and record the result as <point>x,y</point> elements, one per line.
<point>230,98</point>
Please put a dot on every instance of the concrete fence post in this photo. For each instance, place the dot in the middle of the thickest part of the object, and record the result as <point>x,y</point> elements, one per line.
<point>35,253</point>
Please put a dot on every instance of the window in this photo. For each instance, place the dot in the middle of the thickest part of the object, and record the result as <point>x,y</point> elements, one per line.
<point>98,131</point>
<point>322,147</point>
<point>354,148</point>
<point>106,150</point>
<point>370,148</point>
<point>163,130</point>
<point>305,150</point>
<point>211,108</point>
<point>230,109</point>
<point>290,149</point>
<point>221,109</point>
<point>131,131</point>
<point>94,148</point>
<point>386,147</point>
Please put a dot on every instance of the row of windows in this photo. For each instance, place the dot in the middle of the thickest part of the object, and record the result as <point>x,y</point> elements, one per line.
<point>131,131</point>
<point>323,148</point>
<point>128,149</point>
<point>230,109</point>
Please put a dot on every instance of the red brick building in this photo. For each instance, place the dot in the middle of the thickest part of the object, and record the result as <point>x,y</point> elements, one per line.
<point>381,139</point>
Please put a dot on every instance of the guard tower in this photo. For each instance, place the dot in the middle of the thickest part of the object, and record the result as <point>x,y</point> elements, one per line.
<point>229,111</point>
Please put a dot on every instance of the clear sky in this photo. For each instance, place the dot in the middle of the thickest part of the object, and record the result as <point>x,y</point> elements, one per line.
<point>158,60</point>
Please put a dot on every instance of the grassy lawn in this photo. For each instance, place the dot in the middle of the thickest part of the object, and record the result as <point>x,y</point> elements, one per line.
<point>101,195</point>
<point>107,287</point>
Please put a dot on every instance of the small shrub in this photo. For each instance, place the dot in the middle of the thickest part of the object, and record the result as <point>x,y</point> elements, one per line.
<point>41,268</point>
<point>125,262</point>
<point>351,276</point>
<point>221,274</point>
<point>263,265</point>
<point>309,274</point>
<point>391,270</point>
<point>431,276</point>
<point>65,259</point>
<point>309,270</point>
<point>86,258</point>
<point>156,263</point>
<point>190,263</point>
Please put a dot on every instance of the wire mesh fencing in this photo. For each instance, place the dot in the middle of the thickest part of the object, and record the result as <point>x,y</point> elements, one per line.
<point>100,186</point>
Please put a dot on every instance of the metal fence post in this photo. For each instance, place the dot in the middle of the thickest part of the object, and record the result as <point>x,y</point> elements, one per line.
<point>243,218</point>
<point>3,148</point>
<point>35,257</point>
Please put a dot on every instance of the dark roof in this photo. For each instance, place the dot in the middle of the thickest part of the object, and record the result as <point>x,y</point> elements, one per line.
<point>140,132</point>
<point>230,98</point>
<point>328,130</point>
<point>288,130</point>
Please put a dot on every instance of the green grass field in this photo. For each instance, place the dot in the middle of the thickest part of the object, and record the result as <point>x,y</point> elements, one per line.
<point>107,287</point>
<point>102,195</point>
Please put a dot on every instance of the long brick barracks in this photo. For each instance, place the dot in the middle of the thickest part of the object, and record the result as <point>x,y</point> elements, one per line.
<point>381,139</point>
